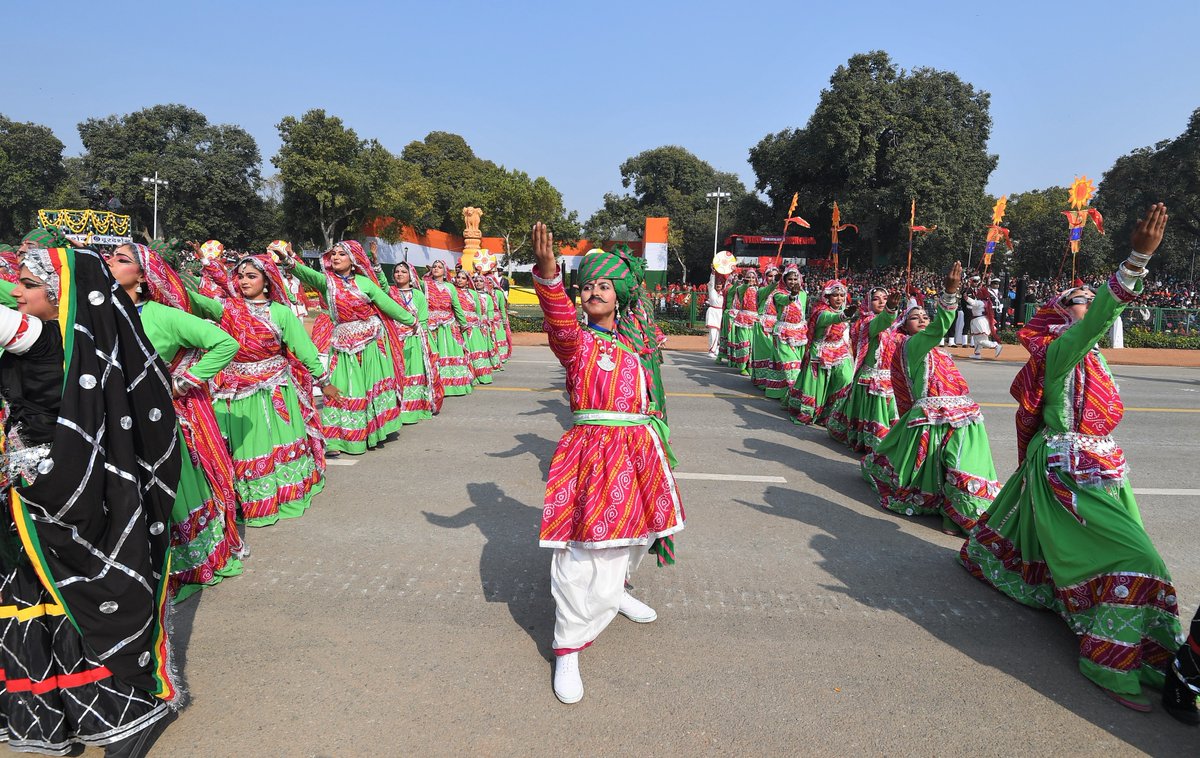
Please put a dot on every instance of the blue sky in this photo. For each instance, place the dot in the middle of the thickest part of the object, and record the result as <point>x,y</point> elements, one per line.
<point>569,90</point>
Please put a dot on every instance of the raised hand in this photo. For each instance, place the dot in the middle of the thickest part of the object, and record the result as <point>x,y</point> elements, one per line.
<point>1148,233</point>
<point>954,278</point>
<point>894,300</point>
<point>543,250</point>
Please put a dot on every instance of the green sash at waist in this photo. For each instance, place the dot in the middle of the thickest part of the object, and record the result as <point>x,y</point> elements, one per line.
<point>592,417</point>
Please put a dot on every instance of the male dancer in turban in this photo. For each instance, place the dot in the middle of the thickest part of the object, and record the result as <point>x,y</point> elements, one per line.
<point>610,495</point>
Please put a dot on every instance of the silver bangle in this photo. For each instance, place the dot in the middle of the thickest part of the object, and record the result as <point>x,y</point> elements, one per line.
<point>1138,259</point>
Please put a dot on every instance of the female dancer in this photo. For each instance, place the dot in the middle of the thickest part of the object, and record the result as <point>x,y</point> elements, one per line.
<point>489,319</point>
<point>474,339</point>
<point>447,324</point>
<point>790,333</point>
<point>500,326</point>
<point>745,321</point>
<point>366,361</point>
<point>828,366</point>
<point>262,407</point>
<point>92,465</point>
<point>865,409</point>
<point>421,389</point>
<point>762,338</point>
<point>205,544</point>
<point>936,458</point>
<point>610,492</point>
<point>1065,533</point>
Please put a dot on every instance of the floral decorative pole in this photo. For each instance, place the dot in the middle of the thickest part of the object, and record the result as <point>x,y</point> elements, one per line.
<point>1081,193</point>
<point>837,226</point>
<point>996,233</point>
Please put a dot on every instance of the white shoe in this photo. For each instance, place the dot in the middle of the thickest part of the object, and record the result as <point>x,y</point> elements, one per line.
<point>568,686</point>
<point>999,347</point>
<point>976,354</point>
<point>635,610</point>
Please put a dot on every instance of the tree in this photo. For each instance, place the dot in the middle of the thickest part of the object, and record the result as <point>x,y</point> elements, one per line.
<point>212,170</point>
<point>670,181</point>
<point>512,203</point>
<point>1040,236</point>
<point>31,169</point>
<point>452,168</point>
<point>1169,172</point>
<point>334,182</point>
<point>879,138</point>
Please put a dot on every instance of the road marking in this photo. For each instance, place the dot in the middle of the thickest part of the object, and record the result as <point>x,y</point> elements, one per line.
<point>340,461</point>
<point>1154,491</point>
<point>731,478</point>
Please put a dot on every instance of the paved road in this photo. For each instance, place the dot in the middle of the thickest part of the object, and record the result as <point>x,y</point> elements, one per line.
<point>409,613</point>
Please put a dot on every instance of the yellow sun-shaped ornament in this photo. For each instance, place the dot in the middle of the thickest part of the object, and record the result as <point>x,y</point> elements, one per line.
<point>1082,190</point>
<point>998,209</point>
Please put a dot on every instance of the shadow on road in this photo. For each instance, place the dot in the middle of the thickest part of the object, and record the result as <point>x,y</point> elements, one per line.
<point>512,568</point>
<point>556,406</point>
<point>539,447</point>
<point>881,566</point>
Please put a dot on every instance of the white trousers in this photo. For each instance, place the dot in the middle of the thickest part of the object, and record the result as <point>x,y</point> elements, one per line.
<point>982,341</point>
<point>587,585</point>
<point>959,339</point>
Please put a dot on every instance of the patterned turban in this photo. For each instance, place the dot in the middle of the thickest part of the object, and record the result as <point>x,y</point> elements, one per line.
<point>47,238</point>
<point>598,264</point>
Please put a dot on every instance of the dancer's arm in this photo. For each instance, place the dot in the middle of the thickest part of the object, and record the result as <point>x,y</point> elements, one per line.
<point>195,332</point>
<point>206,307</point>
<point>383,302</point>
<point>1123,288</point>
<point>297,341</point>
<point>922,342</point>
<point>561,323</point>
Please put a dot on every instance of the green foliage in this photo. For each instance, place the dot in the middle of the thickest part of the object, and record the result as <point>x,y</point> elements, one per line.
<point>1146,338</point>
<point>1040,235</point>
<point>212,170</point>
<point>31,169</point>
<point>1168,172</point>
<point>880,137</point>
<point>670,181</point>
<point>511,200</point>
<point>334,182</point>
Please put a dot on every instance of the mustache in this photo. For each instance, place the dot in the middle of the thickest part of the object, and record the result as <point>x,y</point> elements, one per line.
<point>596,299</point>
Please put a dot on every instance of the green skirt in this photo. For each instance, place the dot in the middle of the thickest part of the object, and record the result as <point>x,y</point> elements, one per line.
<point>369,409</point>
<point>808,399</point>
<point>762,356</point>
<point>1081,551</point>
<point>740,347</point>
<point>453,366</point>
<point>416,394</point>
<point>274,472</point>
<point>785,367</point>
<point>933,469</point>
<point>479,354</point>
<point>203,550</point>
<point>861,419</point>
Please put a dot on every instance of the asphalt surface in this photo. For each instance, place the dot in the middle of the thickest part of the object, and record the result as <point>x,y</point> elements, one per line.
<point>409,612</point>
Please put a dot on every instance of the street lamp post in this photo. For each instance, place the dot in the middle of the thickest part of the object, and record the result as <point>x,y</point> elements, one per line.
<point>717,224</point>
<point>156,182</point>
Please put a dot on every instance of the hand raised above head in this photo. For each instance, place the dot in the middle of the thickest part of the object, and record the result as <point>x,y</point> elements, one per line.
<point>543,250</point>
<point>954,278</point>
<point>1148,233</point>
